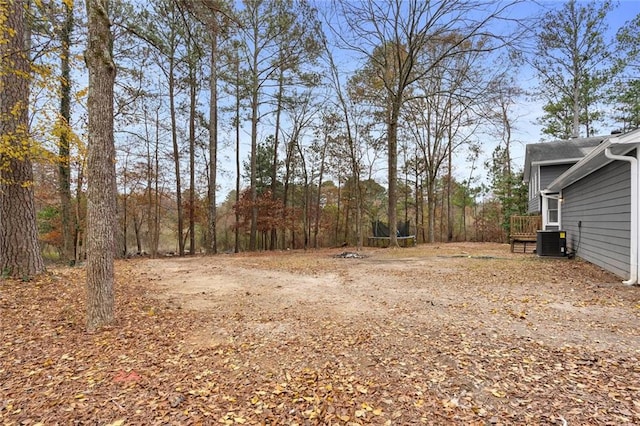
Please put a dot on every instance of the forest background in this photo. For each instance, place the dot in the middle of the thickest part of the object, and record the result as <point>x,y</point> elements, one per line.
<point>282,124</point>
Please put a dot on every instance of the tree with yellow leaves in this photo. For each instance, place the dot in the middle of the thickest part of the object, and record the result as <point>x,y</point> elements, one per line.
<point>19,249</point>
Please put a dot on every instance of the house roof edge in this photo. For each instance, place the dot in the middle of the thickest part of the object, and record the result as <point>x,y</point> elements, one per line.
<point>596,159</point>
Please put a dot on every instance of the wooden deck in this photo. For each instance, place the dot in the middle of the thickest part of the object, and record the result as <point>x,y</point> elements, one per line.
<point>524,230</point>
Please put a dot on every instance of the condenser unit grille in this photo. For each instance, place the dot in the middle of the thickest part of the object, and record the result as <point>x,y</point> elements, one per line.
<point>551,243</point>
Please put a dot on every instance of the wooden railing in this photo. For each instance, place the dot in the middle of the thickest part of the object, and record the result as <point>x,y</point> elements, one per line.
<point>524,230</point>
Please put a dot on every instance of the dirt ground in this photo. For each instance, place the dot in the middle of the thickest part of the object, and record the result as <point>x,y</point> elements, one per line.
<point>494,333</point>
<point>554,301</point>
<point>466,334</point>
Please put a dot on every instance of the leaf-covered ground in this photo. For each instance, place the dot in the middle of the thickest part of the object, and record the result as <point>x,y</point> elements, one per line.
<point>448,334</point>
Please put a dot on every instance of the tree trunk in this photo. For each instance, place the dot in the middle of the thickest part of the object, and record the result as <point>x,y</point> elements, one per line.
<point>449,188</point>
<point>316,226</point>
<point>431,209</point>
<point>154,198</point>
<point>575,128</point>
<point>356,187</point>
<point>237,123</point>
<point>392,155</point>
<point>305,196</point>
<point>418,204</point>
<point>151,177</point>
<point>507,149</point>
<point>255,88</point>
<point>19,251</point>
<point>347,216</point>
<point>79,234</point>
<point>406,189</point>
<point>125,219</point>
<point>577,76</point>
<point>338,204</point>
<point>288,164</point>
<point>192,154</point>
<point>125,215</point>
<point>253,180</point>
<point>276,142</point>
<point>64,169</point>
<point>101,211</point>
<point>137,224</point>
<point>358,219</point>
<point>213,140</point>
<point>176,154</point>
<point>353,160</point>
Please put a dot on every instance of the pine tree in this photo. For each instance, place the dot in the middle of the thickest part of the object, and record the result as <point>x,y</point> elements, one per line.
<point>573,62</point>
<point>101,193</point>
<point>19,250</point>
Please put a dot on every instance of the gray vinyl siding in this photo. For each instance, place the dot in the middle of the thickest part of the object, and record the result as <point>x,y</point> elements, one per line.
<point>549,173</point>
<point>534,205</point>
<point>602,201</point>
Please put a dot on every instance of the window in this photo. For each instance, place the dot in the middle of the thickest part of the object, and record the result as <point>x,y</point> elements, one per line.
<point>552,211</point>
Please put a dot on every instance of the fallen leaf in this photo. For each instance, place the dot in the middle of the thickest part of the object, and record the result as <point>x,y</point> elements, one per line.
<point>498,393</point>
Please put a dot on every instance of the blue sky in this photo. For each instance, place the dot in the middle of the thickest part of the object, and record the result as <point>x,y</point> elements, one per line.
<point>527,111</point>
<point>526,129</point>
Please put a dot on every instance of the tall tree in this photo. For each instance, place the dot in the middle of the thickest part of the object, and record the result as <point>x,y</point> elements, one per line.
<point>298,47</point>
<point>101,192</point>
<point>19,250</point>
<point>392,35</point>
<point>507,187</point>
<point>193,58</point>
<point>235,78</point>
<point>213,135</point>
<point>506,183</point>
<point>325,133</point>
<point>152,144</point>
<point>440,117</point>
<point>212,13</point>
<point>64,166</point>
<point>259,27</point>
<point>505,94</point>
<point>275,35</point>
<point>573,62</point>
<point>238,94</point>
<point>299,111</point>
<point>163,28</point>
<point>627,104</point>
<point>214,30</point>
<point>626,90</point>
<point>349,139</point>
<point>170,49</point>
<point>628,38</point>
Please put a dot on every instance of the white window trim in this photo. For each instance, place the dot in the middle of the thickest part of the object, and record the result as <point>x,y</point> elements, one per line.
<point>534,186</point>
<point>545,210</point>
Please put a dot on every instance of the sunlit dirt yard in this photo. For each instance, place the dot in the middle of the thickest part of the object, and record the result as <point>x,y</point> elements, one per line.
<point>436,334</point>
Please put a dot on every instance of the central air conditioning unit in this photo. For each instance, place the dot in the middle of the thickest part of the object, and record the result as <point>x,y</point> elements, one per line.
<point>551,243</point>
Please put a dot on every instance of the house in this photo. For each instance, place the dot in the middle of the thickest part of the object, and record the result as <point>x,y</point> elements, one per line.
<point>588,187</point>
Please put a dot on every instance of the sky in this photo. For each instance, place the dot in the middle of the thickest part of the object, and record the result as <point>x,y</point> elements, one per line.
<point>527,131</point>
<point>527,110</point>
